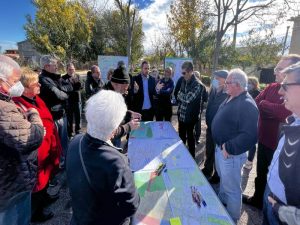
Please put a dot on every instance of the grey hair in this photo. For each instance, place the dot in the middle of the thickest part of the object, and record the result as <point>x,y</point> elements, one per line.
<point>7,67</point>
<point>240,77</point>
<point>294,70</point>
<point>292,58</point>
<point>104,112</point>
<point>47,60</point>
<point>94,67</point>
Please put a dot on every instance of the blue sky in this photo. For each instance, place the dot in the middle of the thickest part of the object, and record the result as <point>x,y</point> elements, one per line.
<point>12,20</point>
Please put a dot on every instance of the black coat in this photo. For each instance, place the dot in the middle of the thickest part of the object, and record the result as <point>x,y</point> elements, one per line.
<point>91,85</point>
<point>75,95</point>
<point>138,98</point>
<point>54,92</point>
<point>111,197</point>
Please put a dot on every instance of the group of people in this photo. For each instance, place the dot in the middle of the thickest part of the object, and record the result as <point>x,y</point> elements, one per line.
<point>239,116</point>
<point>38,112</point>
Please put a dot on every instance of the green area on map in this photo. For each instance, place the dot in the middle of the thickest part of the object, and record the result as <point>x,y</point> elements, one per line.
<point>144,131</point>
<point>147,181</point>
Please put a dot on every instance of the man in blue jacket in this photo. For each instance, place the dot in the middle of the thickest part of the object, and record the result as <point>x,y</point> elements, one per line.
<point>234,130</point>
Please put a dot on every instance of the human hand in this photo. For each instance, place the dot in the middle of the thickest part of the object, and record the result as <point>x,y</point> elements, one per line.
<point>159,86</point>
<point>135,115</point>
<point>134,124</point>
<point>136,87</point>
<point>272,201</point>
<point>225,153</point>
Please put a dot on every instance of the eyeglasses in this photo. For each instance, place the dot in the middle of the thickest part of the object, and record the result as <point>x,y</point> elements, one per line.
<point>230,82</point>
<point>183,73</point>
<point>285,85</point>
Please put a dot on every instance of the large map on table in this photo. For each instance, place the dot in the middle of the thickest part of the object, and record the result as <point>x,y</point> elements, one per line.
<point>147,155</point>
<point>154,130</point>
<point>169,196</point>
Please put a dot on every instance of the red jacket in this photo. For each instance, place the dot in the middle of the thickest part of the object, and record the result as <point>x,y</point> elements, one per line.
<point>50,149</point>
<point>272,113</point>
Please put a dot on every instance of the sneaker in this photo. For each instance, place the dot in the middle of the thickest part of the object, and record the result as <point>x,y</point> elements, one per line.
<point>248,165</point>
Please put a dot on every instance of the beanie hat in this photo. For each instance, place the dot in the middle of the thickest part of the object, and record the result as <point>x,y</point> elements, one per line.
<point>120,76</point>
<point>221,73</point>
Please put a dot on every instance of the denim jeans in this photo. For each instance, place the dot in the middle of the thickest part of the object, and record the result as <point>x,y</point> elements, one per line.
<point>17,211</point>
<point>61,126</point>
<point>269,217</point>
<point>230,170</point>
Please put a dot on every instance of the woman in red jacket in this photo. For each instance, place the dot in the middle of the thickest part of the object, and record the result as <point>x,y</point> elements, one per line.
<point>49,151</point>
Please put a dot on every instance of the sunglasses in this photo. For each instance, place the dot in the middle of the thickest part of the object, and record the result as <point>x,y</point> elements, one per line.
<point>285,85</point>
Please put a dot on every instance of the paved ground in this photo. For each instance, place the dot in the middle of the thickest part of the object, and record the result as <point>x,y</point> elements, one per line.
<point>62,208</point>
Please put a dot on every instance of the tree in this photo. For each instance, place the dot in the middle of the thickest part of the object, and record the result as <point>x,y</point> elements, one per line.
<point>116,37</point>
<point>231,13</point>
<point>260,48</point>
<point>184,22</point>
<point>62,28</point>
<point>128,18</point>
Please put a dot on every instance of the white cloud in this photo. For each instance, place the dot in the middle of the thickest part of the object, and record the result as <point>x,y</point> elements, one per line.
<point>154,21</point>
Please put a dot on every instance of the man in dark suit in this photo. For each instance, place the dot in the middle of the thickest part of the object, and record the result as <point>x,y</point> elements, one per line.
<point>144,91</point>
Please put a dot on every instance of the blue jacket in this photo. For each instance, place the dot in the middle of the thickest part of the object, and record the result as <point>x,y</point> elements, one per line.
<point>235,124</point>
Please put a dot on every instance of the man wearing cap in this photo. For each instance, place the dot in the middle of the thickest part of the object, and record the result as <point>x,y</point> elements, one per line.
<point>119,83</point>
<point>217,95</point>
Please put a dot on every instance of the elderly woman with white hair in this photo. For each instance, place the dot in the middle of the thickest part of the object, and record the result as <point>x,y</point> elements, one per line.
<point>20,134</point>
<point>100,181</point>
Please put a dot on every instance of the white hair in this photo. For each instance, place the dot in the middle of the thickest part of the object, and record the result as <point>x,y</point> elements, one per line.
<point>293,69</point>
<point>7,67</point>
<point>240,77</point>
<point>47,60</point>
<point>104,112</point>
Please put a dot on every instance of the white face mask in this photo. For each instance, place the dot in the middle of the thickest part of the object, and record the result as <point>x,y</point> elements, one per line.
<point>16,90</point>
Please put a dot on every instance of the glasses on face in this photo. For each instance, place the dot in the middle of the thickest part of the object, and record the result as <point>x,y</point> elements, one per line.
<point>183,73</point>
<point>230,82</point>
<point>285,85</point>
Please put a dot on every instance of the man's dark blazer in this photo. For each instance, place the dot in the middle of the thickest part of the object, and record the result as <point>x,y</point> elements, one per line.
<point>138,99</point>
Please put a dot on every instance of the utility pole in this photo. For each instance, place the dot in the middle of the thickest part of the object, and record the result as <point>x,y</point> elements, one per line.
<point>284,43</point>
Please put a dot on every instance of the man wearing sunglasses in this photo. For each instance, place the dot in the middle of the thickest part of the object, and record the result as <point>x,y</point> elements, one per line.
<point>272,114</point>
<point>189,102</point>
<point>282,194</point>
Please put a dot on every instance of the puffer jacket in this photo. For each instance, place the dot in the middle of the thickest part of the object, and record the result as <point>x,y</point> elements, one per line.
<point>19,136</point>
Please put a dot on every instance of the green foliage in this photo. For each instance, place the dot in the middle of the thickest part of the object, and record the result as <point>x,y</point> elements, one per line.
<point>206,80</point>
<point>260,49</point>
<point>116,35</point>
<point>60,27</point>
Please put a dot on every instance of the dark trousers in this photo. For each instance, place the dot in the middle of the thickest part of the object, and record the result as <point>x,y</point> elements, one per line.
<point>198,129</point>
<point>147,114</point>
<point>209,164</point>
<point>164,113</point>
<point>74,112</point>
<point>38,201</point>
<point>186,132</point>
<point>264,158</point>
<point>251,153</point>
